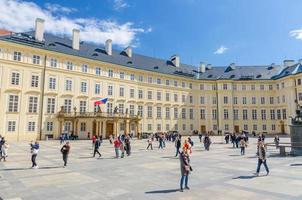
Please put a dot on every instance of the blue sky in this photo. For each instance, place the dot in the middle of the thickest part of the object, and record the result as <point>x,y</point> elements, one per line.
<point>214,31</point>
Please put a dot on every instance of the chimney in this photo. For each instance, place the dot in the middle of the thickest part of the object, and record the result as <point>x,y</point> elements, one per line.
<point>209,66</point>
<point>202,67</point>
<point>300,61</point>
<point>39,31</point>
<point>175,60</point>
<point>76,39</point>
<point>128,51</point>
<point>108,47</point>
<point>288,63</point>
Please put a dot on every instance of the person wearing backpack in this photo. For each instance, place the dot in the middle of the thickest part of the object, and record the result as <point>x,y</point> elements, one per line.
<point>97,145</point>
<point>65,151</point>
<point>34,148</point>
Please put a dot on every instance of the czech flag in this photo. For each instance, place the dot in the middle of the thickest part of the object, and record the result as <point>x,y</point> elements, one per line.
<point>101,101</point>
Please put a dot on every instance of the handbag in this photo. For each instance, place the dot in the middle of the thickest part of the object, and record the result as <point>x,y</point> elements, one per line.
<point>187,168</point>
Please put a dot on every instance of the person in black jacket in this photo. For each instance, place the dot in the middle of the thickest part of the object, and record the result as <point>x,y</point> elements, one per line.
<point>97,145</point>
<point>177,145</point>
<point>65,151</point>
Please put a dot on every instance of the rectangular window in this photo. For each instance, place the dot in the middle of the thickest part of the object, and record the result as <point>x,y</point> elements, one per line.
<point>84,87</point>
<point>109,108</point>
<point>98,71</point>
<point>15,78</point>
<point>245,127</point>
<point>202,114</point>
<point>225,86</point>
<point>183,98</point>
<point>264,127</point>
<point>202,100</point>
<point>11,126</point>
<point>132,77</point>
<point>263,114</point>
<point>261,87</point>
<point>243,87</point>
<point>52,83</point>
<point>254,114</point>
<point>235,100</point>
<point>244,100</point>
<point>191,112</point>
<point>191,99</point>
<point>49,126</point>
<point>131,93</point>
<point>84,68</point>
<point>183,84</point>
<point>244,114</point>
<point>83,105</point>
<point>183,113</point>
<point>140,94</point>
<point>122,75</point>
<point>226,127</point>
<point>284,113</point>
<point>51,105</point>
<point>17,56</point>
<point>68,85</point>
<point>83,126</point>
<point>175,98</point>
<point>271,100</point>
<point>235,113</point>
<point>69,65</point>
<point>140,110</point>
<point>122,92</point>
<point>253,100</point>
<point>175,83</point>
<point>33,104</point>
<point>214,114</point>
<point>149,111</point>
<point>31,126</point>
<point>270,87</point>
<point>121,108</point>
<point>110,90</point>
<point>273,127</point>
<point>279,114</point>
<point>158,112</point>
<point>158,127</point>
<point>167,113</point>
<point>175,113</point>
<point>158,96</point>
<point>167,127</point>
<point>273,116</point>
<point>110,73</point>
<point>34,81</point>
<point>53,62</point>
<point>201,86</point>
<point>226,114</point>
<point>255,127</point>
<point>36,59</point>
<point>253,87</point>
<point>97,89</point>
<point>167,96</point>
<point>234,87</point>
<point>140,78</point>
<point>262,100</point>
<point>158,81</point>
<point>149,127</point>
<point>13,103</point>
<point>150,80</point>
<point>167,82</point>
<point>183,127</point>
<point>67,105</point>
<point>214,100</point>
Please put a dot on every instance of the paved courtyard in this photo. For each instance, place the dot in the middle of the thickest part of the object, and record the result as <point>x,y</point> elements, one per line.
<point>218,174</point>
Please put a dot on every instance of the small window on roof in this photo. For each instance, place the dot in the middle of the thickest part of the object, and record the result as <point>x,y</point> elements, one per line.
<point>95,54</point>
<point>210,76</point>
<point>270,68</point>
<point>155,67</point>
<point>232,76</point>
<point>52,44</point>
<point>259,76</point>
<point>129,63</point>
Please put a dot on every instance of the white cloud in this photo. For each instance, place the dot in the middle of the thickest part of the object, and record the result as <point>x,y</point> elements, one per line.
<point>19,16</point>
<point>296,34</point>
<point>119,4</point>
<point>56,8</point>
<point>221,50</point>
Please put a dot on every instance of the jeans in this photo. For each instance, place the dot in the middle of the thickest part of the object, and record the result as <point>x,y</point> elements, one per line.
<point>160,145</point>
<point>184,178</point>
<point>96,151</point>
<point>177,151</point>
<point>260,162</point>
<point>117,152</point>
<point>242,150</point>
<point>65,157</point>
<point>150,145</point>
<point>33,160</point>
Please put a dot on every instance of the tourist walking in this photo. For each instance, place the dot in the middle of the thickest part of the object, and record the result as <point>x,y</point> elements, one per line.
<point>177,145</point>
<point>150,141</point>
<point>94,138</point>
<point>110,139</point>
<point>65,152</point>
<point>127,145</point>
<point>277,140</point>
<point>117,144</point>
<point>200,137</point>
<point>4,150</point>
<point>160,140</point>
<point>34,148</point>
<point>97,145</point>
<point>185,169</point>
<point>227,138</point>
<point>261,137</point>
<point>207,142</point>
<point>243,145</point>
<point>261,158</point>
<point>62,137</point>
<point>233,138</point>
<point>122,148</point>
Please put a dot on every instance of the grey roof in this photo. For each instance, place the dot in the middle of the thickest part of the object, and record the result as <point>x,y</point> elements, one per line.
<point>137,61</point>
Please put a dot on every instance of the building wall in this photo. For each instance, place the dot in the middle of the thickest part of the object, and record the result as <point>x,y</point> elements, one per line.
<point>192,95</point>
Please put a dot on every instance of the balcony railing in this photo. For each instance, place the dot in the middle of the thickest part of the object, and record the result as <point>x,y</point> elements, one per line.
<point>96,115</point>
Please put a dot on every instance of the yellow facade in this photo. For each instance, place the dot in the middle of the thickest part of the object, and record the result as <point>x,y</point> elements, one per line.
<point>17,116</point>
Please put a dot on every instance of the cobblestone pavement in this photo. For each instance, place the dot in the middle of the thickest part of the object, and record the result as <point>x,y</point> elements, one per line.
<point>220,173</point>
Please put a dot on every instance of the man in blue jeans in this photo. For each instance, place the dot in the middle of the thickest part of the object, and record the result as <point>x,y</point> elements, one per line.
<point>261,158</point>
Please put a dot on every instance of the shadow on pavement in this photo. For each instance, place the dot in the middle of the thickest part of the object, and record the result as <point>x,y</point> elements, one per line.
<point>162,191</point>
<point>18,169</point>
<point>245,177</point>
<point>170,157</point>
<point>295,165</point>
<point>235,155</point>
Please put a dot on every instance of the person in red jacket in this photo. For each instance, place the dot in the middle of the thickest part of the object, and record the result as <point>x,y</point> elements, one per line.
<point>117,145</point>
<point>93,140</point>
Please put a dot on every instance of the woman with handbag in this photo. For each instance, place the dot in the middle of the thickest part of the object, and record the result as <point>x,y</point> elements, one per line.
<point>185,168</point>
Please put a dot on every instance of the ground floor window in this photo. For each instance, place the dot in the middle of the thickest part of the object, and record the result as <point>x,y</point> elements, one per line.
<point>83,126</point>
<point>176,127</point>
<point>67,126</point>
<point>149,127</point>
<point>255,127</point>
<point>191,127</point>
<point>167,127</point>
<point>245,127</point>
<point>214,127</point>
<point>49,126</point>
<point>158,127</point>
<point>183,127</point>
<point>122,126</point>
<point>11,126</point>
<point>31,126</point>
<point>273,127</point>
<point>264,127</point>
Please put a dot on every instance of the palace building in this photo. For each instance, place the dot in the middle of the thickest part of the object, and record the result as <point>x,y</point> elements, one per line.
<point>48,85</point>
